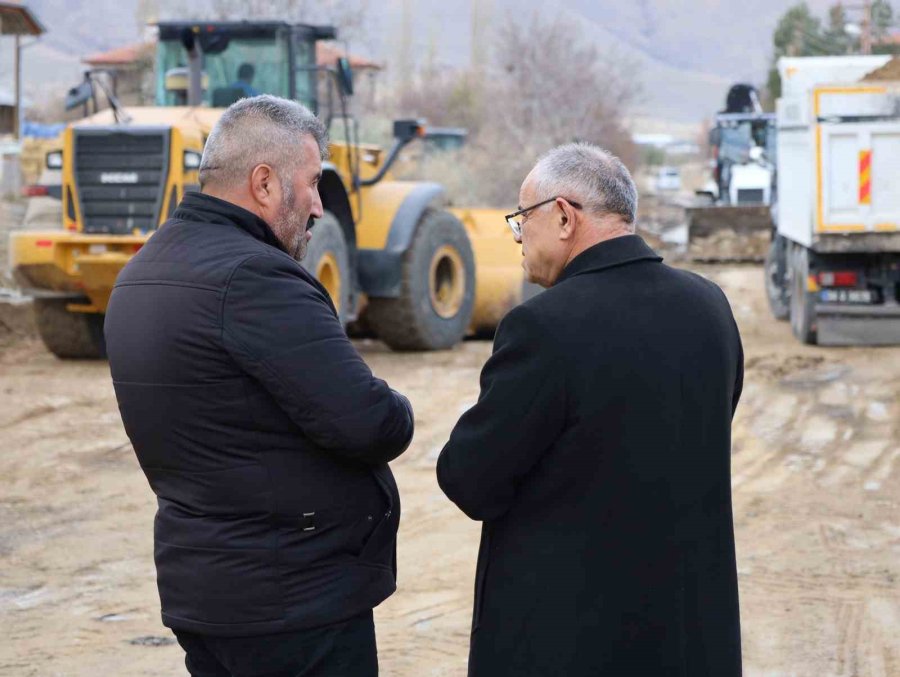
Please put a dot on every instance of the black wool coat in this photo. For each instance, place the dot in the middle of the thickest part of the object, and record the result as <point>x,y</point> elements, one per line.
<point>598,459</point>
<point>261,430</point>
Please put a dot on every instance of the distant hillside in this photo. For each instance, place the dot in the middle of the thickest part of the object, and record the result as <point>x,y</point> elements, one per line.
<point>688,51</point>
<point>75,28</point>
<point>728,38</point>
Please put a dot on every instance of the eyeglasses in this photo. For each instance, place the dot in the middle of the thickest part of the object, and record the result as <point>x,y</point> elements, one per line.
<point>516,225</point>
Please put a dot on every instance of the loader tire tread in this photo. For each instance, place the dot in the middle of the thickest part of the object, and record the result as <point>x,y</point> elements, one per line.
<point>69,335</point>
<point>409,322</point>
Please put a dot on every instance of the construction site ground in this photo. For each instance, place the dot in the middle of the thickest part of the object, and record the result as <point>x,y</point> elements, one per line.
<point>816,475</point>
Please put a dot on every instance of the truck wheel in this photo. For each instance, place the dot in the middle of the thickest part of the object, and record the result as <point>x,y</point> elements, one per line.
<point>328,259</point>
<point>69,335</point>
<point>803,303</point>
<point>775,268</point>
<point>437,293</point>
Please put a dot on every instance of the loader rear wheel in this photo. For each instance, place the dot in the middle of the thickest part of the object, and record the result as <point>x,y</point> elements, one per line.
<point>775,269</point>
<point>803,303</point>
<point>69,335</point>
<point>437,293</point>
<point>328,259</point>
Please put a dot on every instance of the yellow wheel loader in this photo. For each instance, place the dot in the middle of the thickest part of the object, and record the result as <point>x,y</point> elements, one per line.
<point>421,276</point>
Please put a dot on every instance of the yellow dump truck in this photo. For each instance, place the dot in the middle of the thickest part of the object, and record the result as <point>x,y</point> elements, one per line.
<point>422,276</point>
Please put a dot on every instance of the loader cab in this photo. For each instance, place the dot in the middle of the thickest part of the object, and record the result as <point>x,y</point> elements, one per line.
<point>741,140</point>
<point>735,138</point>
<point>239,59</point>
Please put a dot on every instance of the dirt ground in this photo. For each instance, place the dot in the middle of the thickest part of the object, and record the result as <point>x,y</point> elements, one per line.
<point>816,473</point>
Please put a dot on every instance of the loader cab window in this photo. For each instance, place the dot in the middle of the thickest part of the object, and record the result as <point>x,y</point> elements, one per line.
<point>735,142</point>
<point>305,74</point>
<point>246,67</point>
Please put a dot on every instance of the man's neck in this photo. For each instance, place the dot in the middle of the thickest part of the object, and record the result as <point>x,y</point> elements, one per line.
<point>596,236</point>
<point>235,199</point>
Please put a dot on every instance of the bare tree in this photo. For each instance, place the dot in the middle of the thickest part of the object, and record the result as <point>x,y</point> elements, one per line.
<point>533,98</point>
<point>571,91</point>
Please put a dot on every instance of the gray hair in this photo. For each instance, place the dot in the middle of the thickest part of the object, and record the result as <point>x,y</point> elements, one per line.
<point>261,129</point>
<point>590,175</point>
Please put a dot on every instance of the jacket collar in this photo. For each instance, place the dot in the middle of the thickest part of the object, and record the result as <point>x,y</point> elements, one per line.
<point>208,209</point>
<point>618,251</point>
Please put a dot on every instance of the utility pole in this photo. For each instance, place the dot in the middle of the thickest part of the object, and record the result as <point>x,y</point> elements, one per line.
<point>480,21</point>
<point>865,41</point>
<point>404,49</point>
<point>865,26</point>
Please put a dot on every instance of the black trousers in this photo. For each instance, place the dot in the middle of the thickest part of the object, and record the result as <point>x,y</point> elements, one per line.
<point>345,649</point>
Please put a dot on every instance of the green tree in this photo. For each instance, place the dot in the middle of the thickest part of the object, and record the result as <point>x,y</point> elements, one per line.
<point>798,33</point>
<point>882,19</point>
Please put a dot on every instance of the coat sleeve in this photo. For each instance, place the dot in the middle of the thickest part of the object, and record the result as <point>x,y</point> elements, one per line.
<point>518,416</point>
<point>281,329</point>
<point>739,379</point>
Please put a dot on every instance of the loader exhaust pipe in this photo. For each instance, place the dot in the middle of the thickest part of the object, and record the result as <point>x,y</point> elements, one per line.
<point>195,66</point>
<point>404,132</point>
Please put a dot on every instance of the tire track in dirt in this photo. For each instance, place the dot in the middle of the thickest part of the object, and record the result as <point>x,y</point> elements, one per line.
<point>816,470</point>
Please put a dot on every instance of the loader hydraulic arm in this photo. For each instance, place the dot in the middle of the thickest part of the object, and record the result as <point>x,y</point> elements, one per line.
<point>404,132</point>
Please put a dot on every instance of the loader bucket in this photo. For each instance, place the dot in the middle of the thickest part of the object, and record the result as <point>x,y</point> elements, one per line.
<point>499,280</point>
<point>740,233</point>
<point>59,264</point>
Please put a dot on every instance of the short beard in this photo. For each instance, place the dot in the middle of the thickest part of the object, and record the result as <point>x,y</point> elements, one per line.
<point>288,227</point>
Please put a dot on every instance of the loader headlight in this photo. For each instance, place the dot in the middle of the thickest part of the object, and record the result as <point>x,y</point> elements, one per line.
<point>192,159</point>
<point>54,159</point>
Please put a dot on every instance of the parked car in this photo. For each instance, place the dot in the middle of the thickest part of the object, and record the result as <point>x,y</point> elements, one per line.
<point>668,179</point>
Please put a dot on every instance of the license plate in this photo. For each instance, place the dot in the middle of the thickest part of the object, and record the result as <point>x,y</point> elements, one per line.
<point>119,177</point>
<point>847,296</point>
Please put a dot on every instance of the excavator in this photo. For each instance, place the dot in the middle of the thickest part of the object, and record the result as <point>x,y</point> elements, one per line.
<point>417,275</point>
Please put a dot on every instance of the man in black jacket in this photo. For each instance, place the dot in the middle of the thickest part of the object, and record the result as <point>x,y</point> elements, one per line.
<point>262,432</point>
<point>598,454</point>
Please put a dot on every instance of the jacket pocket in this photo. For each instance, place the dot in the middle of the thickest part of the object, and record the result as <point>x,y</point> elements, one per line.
<point>218,586</point>
<point>379,547</point>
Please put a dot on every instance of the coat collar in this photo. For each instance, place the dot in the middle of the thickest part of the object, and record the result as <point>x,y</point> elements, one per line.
<point>618,251</point>
<point>208,209</point>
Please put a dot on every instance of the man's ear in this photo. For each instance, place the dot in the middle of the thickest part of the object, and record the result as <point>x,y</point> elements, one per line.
<point>262,185</point>
<point>567,219</point>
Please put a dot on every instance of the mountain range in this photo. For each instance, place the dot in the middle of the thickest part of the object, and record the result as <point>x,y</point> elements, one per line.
<point>687,52</point>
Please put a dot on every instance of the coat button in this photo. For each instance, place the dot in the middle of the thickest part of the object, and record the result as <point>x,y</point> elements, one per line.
<point>369,517</point>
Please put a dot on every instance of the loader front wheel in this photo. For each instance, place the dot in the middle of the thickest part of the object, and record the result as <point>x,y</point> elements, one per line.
<point>437,293</point>
<point>69,335</point>
<point>328,259</point>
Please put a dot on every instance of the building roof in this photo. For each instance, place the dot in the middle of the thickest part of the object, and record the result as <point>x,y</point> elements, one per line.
<point>16,19</point>
<point>327,54</point>
<point>120,56</point>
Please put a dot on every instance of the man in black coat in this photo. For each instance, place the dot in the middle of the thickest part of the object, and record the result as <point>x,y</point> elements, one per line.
<point>598,454</point>
<point>262,432</point>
